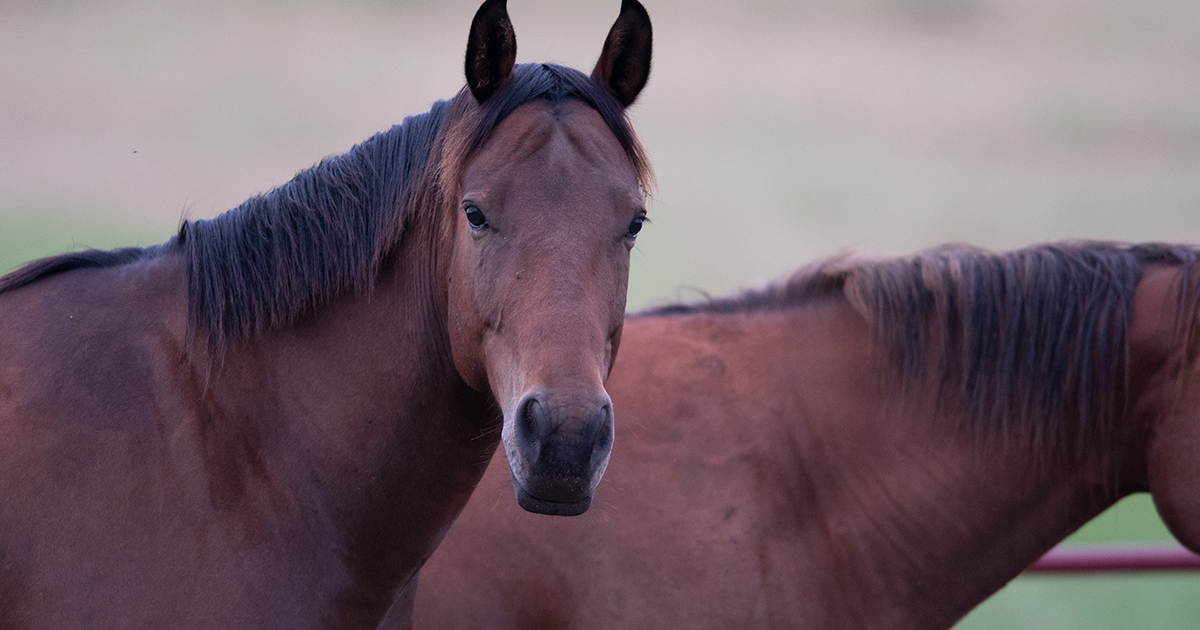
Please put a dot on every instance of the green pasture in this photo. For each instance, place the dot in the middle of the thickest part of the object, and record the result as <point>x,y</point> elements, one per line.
<point>1167,600</point>
<point>29,234</point>
<point>781,132</point>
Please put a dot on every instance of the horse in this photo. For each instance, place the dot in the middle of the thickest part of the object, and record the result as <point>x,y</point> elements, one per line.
<point>271,419</point>
<point>869,444</point>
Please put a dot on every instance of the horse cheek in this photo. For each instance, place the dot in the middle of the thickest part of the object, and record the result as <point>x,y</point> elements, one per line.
<point>466,331</point>
<point>617,314</point>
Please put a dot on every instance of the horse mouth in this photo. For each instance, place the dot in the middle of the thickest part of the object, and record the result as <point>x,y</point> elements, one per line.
<point>533,504</point>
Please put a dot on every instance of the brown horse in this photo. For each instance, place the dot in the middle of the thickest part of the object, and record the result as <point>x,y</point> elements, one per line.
<point>774,479</point>
<point>272,419</point>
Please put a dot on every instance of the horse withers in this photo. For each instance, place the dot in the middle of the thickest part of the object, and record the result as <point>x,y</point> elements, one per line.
<point>868,445</point>
<point>272,419</point>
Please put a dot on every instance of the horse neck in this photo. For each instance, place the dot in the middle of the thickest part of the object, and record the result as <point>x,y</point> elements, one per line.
<point>920,536</point>
<point>356,420</point>
<point>910,521</point>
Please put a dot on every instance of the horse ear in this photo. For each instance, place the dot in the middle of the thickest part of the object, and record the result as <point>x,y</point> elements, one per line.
<point>491,50</point>
<point>624,64</point>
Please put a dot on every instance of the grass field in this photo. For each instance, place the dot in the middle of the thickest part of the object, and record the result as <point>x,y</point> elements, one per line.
<point>1167,600</point>
<point>781,132</point>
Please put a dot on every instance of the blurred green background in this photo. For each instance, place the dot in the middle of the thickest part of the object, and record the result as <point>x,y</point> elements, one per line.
<point>781,132</point>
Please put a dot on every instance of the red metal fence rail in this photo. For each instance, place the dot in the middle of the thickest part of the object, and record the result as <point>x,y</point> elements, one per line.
<point>1077,558</point>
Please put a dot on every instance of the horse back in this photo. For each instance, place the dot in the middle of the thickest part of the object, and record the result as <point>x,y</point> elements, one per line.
<point>89,348</point>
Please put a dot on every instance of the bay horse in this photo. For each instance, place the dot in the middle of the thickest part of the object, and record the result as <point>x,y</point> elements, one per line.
<point>271,419</point>
<point>866,445</point>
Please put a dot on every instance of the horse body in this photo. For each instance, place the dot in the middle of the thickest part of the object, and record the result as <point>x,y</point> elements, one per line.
<point>773,479</point>
<point>272,419</point>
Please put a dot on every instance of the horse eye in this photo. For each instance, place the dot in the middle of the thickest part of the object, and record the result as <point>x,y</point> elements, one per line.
<point>635,226</point>
<point>475,218</point>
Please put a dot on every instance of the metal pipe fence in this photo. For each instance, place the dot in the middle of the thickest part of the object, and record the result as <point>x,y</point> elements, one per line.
<point>1079,558</point>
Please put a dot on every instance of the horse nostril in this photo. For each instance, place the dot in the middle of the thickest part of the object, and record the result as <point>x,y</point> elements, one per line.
<point>604,432</point>
<point>527,421</point>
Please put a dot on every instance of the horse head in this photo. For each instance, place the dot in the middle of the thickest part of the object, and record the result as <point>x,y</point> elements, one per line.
<point>548,181</point>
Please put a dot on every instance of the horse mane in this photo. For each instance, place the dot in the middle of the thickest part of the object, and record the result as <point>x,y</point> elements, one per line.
<point>279,254</point>
<point>326,232</point>
<point>1033,341</point>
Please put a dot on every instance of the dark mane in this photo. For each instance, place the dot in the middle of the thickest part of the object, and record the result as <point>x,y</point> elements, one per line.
<point>325,232</point>
<point>278,255</point>
<point>1033,340</point>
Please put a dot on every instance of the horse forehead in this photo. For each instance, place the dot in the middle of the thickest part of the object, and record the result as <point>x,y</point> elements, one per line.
<point>566,138</point>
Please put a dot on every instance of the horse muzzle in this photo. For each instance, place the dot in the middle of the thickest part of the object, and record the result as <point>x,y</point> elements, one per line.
<point>558,448</point>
